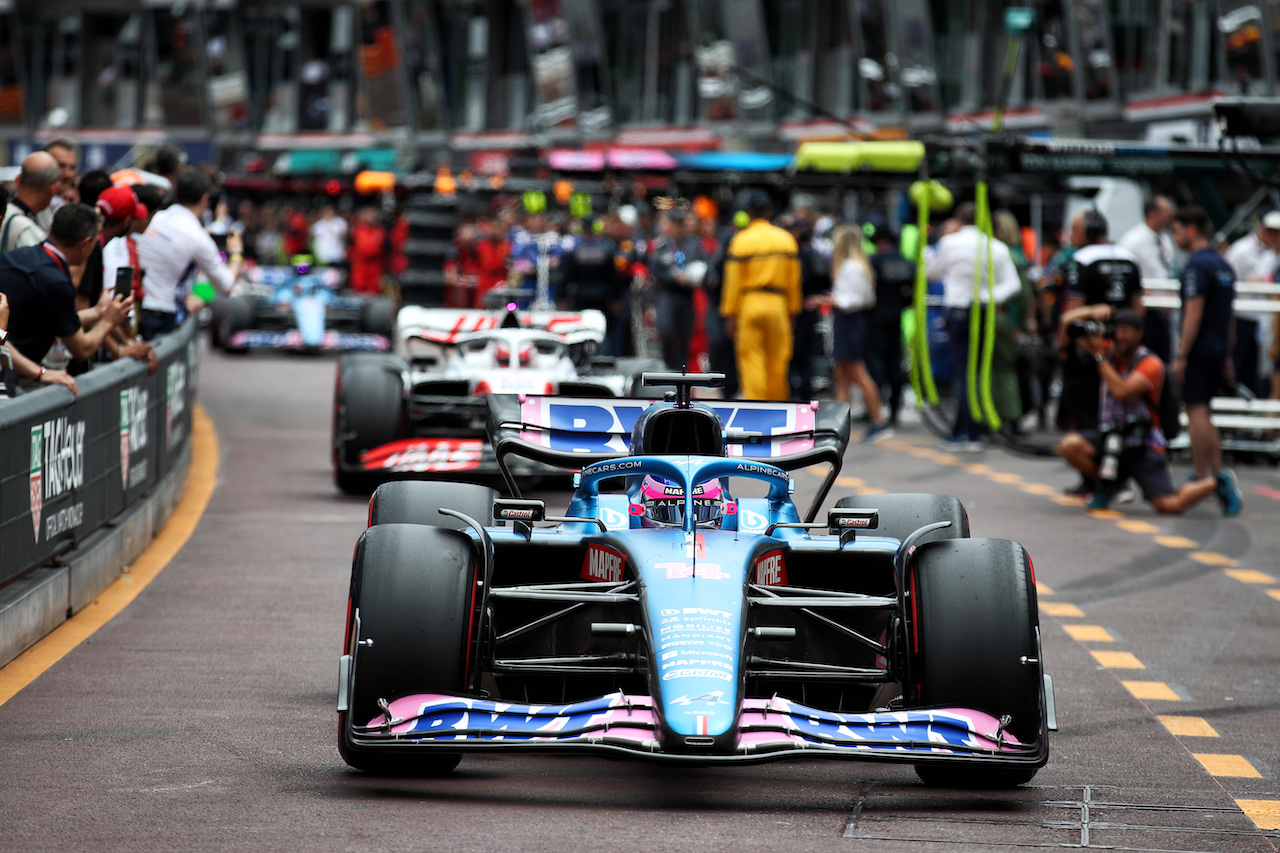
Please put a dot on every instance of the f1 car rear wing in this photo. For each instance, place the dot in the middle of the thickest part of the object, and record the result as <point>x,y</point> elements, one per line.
<point>572,432</point>
<point>448,325</point>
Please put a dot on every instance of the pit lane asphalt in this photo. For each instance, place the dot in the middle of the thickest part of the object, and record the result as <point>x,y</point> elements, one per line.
<point>201,717</point>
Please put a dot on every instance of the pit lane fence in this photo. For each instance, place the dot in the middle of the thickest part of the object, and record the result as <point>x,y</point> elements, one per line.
<point>1247,425</point>
<point>86,481</point>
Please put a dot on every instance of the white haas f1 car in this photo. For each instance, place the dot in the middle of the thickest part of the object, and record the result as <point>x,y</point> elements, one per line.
<point>422,414</point>
<point>668,616</point>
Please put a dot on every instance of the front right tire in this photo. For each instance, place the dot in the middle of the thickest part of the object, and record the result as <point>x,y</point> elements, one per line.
<point>973,639</point>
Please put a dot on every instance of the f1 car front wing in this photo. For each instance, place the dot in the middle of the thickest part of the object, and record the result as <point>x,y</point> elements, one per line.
<point>768,729</point>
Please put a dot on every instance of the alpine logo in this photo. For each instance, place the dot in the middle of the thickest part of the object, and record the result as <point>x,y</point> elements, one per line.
<point>37,477</point>
<point>603,564</point>
<point>771,569</point>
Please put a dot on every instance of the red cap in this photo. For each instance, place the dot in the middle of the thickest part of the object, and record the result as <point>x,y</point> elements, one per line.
<point>118,203</point>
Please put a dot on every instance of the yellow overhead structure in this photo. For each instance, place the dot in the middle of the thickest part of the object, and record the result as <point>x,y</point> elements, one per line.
<point>896,156</point>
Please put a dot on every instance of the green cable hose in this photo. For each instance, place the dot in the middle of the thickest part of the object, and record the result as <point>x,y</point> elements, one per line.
<point>921,368</point>
<point>981,403</point>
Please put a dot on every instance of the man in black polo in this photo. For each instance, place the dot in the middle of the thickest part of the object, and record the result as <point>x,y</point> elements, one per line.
<point>42,299</point>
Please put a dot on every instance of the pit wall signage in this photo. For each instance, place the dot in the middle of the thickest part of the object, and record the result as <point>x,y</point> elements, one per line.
<point>69,465</point>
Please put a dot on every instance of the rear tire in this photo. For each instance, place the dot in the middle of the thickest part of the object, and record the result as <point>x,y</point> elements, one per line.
<point>412,591</point>
<point>419,502</point>
<point>378,317</point>
<point>236,316</point>
<point>903,514</point>
<point>368,413</point>
<point>972,621</point>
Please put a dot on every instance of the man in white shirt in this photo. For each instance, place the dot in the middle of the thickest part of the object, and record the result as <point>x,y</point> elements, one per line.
<point>954,264</point>
<point>174,247</point>
<point>329,237</point>
<point>1149,241</point>
<point>1253,258</point>
<point>1152,247</point>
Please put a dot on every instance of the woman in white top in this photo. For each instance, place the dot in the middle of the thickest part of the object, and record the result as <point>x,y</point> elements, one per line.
<point>854,295</point>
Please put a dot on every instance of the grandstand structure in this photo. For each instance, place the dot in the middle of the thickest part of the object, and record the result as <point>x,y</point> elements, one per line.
<point>338,86</point>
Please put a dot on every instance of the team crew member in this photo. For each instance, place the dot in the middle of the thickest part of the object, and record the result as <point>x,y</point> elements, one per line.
<point>1099,273</point>
<point>1204,346</point>
<point>958,262</point>
<point>761,294</point>
<point>174,246</point>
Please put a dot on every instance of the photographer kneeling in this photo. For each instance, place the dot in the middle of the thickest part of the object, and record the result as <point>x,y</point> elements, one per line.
<point>1129,442</point>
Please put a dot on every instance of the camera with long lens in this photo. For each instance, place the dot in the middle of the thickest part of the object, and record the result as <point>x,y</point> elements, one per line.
<point>1115,439</point>
<point>1090,329</point>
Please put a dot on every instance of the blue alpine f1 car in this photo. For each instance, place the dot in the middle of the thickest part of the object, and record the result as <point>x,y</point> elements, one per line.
<point>301,308</point>
<point>684,609</point>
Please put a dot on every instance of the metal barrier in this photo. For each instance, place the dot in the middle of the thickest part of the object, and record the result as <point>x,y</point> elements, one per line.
<point>69,465</point>
<point>1245,425</point>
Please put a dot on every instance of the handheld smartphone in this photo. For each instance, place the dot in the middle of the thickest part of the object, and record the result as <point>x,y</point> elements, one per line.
<point>124,282</point>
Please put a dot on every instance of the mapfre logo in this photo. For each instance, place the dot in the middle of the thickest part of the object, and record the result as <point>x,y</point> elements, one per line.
<point>771,569</point>
<point>603,564</point>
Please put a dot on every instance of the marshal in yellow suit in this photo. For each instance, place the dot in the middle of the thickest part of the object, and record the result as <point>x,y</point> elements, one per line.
<point>761,295</point>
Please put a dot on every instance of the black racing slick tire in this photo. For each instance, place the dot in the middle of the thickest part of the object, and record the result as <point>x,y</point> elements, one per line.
<point>368,411</point>
<point>903,514</point>
<point>411,602</point>
<point>235,316</point>
<point>419,502</point>
<point>378,317</point>
<point>972,636</point>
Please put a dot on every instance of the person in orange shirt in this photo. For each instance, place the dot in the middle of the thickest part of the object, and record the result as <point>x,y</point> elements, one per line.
<point>761,294</point>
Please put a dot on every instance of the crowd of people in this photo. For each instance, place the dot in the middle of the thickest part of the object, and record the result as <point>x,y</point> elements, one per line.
<point>94,269</point>
<point>96,266</point>
<point>747,299</point>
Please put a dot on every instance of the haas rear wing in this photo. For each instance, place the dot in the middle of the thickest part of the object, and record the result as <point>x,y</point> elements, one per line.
<point>570,432</point>
<point>445,326</point>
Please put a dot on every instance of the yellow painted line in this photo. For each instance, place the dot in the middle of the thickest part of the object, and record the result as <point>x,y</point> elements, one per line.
<point>1118,660</point>
<point>1041,589</point>
<point>1089,633</point>
<point>1210,558</point>
<point>1061,608</point>
<point>1264,813</point>
<point>1040,489</point>
<point>1175,542</point>
<point>867,490</point>
<point>946,459</point>
<point>1187,726</point>
<point>1274,593</point>
<point>201,480</point>
<point>978,468</point>
<point>1151,690</point>
<point>1067,500</point>
<point>1006,479</point>
<point>848,482</point>
<point>1106,514</point>
<point>1249,576</point>
<point>1133,525</point>
<point>1236,766</point>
